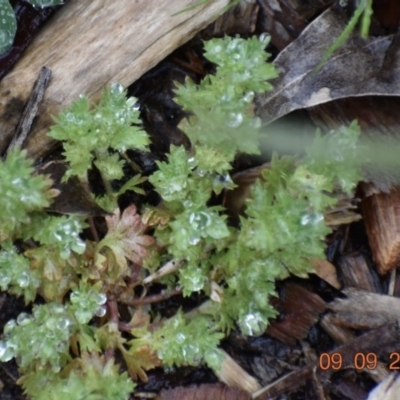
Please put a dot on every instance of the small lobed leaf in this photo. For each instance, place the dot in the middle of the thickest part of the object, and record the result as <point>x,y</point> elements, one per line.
<point>126,237</point>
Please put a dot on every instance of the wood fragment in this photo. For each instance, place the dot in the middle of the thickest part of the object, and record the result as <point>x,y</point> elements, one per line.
<point>382,222</point>
<point>90,44</point>
<point>342,335</point>
<point>356,273</point>
<point>301,309</point>
<point>203,392</point>
<point>32,106</point>
<point>381,341</point>
<point>365,310</point>
<point>233,375</point>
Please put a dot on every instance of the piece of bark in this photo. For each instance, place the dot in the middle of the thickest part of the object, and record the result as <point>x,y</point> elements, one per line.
<point>356,273</point>
<point>342,335</point>
<point>381,341</point>
<point>349,390</point>
<point>232,374</point>
<point>382,222</point>
<point>90,44</point>
<point>203,392</point>
<point>365,310</point>
<point>301,309</point>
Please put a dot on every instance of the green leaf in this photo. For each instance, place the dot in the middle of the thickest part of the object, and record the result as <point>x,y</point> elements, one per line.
<point>91,377</point>
<point>221,103</point>
<point>22,192</point>
<point>16,275</point>
<point>180,342</point>
<point>8,26</point>
<point>88,134</point>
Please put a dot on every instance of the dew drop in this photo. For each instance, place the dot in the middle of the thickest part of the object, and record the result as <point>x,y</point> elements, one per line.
<point>180,337</point>
<point>23,319</point>
<point>311,218</point>
<point>235,120</point>
<point>193,240</point>
<point>217,49</point>
<point>253,324</point>
<point>248,97</point>
<point>6,353</point>
<point>101,299</point>
<point>101,312</point>
<point>63,323</point>
<point>9,326</point>
<point>264,38</point>
<point>117,89</point>
<point>23,280</point>
<point>56,369</point>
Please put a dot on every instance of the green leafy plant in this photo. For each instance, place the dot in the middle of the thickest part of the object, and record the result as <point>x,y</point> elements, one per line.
<point>97,136</point>
<point>66,347</point>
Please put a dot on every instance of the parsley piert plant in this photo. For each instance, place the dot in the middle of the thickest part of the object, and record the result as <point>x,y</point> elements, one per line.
<point>65,347</point>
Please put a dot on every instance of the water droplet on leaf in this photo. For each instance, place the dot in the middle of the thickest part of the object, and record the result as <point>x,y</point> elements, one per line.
<point>23,280</point>
<point>248,97</point>
<point>101,312</point>
<point>23,319</point>
<point>264,38</point>
<point>180,337</point>
<point>235,120</point>
<point>311,218</point>
<point>253,324</point>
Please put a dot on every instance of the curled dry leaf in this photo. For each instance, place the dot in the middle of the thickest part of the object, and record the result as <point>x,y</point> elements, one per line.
<point>361,67</point>
<point>126,236</point>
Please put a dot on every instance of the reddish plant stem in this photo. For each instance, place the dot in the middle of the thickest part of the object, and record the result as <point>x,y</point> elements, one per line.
<point>93,230</point>
<point>112,306</point>
<point>124,327</point>
<point>155,298</point>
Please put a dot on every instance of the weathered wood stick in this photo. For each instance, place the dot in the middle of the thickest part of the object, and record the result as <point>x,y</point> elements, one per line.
<point>32,106</point>
<point>89,44</point>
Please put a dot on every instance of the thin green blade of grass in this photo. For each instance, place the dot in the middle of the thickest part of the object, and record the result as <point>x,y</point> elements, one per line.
<point>366,20</point>
<point>343,36</point>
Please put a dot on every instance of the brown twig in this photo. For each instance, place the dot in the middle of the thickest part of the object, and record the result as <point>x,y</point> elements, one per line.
<point>155,298</point>
<point>30,111</point>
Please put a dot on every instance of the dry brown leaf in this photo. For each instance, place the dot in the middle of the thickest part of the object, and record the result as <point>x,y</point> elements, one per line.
<point>203,392</point>
<point>359,68</point>
<point>326,271</point>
